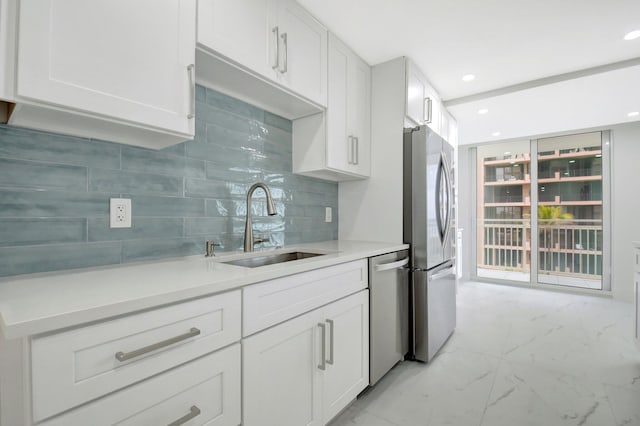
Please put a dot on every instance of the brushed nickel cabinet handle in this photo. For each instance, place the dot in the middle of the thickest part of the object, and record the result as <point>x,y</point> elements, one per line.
<point>428,107</point>
<point>285,59</point>
<point>124,356</point>
<point>192,92</point>
<point>193,412</point>
<point>323,364</point>
<point>276,32</point>
<point>350,149</point>
<point>330,360</point>
<point>357,160</point>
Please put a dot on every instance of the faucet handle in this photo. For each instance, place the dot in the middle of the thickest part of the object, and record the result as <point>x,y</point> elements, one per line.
<point>261,240</point>
<point>211,248</point>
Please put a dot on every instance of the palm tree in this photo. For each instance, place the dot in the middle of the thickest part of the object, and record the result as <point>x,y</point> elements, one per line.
<point>548,218</point>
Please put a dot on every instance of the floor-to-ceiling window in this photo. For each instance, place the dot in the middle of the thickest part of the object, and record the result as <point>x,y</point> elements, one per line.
<point>543,218</point>
<point>503,210</point>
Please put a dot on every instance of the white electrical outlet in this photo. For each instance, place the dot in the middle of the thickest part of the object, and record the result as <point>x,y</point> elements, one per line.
<point>120,215</point>
<point>327,214</point>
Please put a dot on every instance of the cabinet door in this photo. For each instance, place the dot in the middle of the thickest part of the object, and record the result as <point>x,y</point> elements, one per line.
<point>415,109</point>
<point>423,103</point>
<point>282,378</point>
<point>360,114</point>
<point>347,354</point>
<point>303,52</point>
<point>238,30</point>
<point>339,140</point>
<point>117,58</point>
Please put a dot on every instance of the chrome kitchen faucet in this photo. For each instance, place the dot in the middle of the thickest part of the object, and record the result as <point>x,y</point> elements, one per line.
<point>248,227</point>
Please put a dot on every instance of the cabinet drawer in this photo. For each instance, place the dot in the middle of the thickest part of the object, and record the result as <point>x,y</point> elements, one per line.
<point>272,302</point>
<point>79,365</point>
<point>207,390</point>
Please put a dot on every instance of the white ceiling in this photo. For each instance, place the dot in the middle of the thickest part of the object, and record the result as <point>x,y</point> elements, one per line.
<point>504,43</point>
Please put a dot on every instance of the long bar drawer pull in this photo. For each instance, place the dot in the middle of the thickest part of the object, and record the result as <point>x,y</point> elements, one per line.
<point>330,360</point>
<point>193,412</point>
<point>323,362</point>
<point>124,356</point>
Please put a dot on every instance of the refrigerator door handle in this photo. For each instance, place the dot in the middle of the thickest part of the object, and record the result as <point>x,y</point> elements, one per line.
<point>447,172</point>
<point>449,271</point>
<point>392,265</point>
<point>438,196</point>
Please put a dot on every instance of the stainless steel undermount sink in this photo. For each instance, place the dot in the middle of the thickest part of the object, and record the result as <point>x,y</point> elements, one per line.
<point>271,259</point>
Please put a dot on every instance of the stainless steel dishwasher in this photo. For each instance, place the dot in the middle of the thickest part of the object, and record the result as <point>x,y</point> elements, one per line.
<point>388,312</point>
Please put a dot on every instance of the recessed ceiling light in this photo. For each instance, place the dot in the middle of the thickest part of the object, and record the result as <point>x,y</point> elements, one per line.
<point>469,77</point>
<point>634,114</point>
<point>496,134</point>
<point>483,111</point>
<point>632,35</point>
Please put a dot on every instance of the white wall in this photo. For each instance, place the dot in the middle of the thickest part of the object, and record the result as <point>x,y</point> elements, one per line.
<point>625,205</point>
<point>625,214</point>
<point>466,184</point>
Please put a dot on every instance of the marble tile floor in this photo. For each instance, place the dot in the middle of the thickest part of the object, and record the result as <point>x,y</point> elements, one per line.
<point>518,357</point>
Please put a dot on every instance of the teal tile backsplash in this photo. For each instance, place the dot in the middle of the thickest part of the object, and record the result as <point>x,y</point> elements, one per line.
<point>55,190</point>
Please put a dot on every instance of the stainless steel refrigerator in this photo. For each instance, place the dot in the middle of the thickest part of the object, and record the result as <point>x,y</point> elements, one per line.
<point>429,229</point>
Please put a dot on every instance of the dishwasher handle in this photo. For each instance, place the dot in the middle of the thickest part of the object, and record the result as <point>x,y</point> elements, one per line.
<point>392,265</point>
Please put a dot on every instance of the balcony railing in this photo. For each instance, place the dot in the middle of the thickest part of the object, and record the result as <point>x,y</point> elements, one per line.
<point>564,173</point>
<point>504,199</point>
<point>566,247</point>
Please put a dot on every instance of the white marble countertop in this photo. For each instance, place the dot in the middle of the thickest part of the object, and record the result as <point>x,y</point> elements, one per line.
<point>39,303</point>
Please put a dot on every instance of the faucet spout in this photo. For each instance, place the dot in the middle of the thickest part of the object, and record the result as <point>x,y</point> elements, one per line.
<point>248,226</point>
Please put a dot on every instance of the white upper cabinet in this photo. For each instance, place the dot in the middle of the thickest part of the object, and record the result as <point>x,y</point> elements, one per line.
<point>336,145</point>
<point>132,62</point>
<point>271,53</point>
<point>237,30</point>
<point>423,103</point>
<point>349,111</point>
<point>301,51</point>
<point>7,46</point>
<point>359,114</point>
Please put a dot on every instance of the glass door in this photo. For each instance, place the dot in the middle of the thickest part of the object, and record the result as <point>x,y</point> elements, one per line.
<point>503,206</point>
<point>555,234</point>
<point>570,210</point>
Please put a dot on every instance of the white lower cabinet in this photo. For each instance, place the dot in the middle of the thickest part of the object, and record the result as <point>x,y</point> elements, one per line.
<point>180,362</point>
<point>76,366</point>
<point>348,335</point>
<point>281,381</point>
<point>289,351</point>
<point>203,392</point>
<point>305,370</point>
